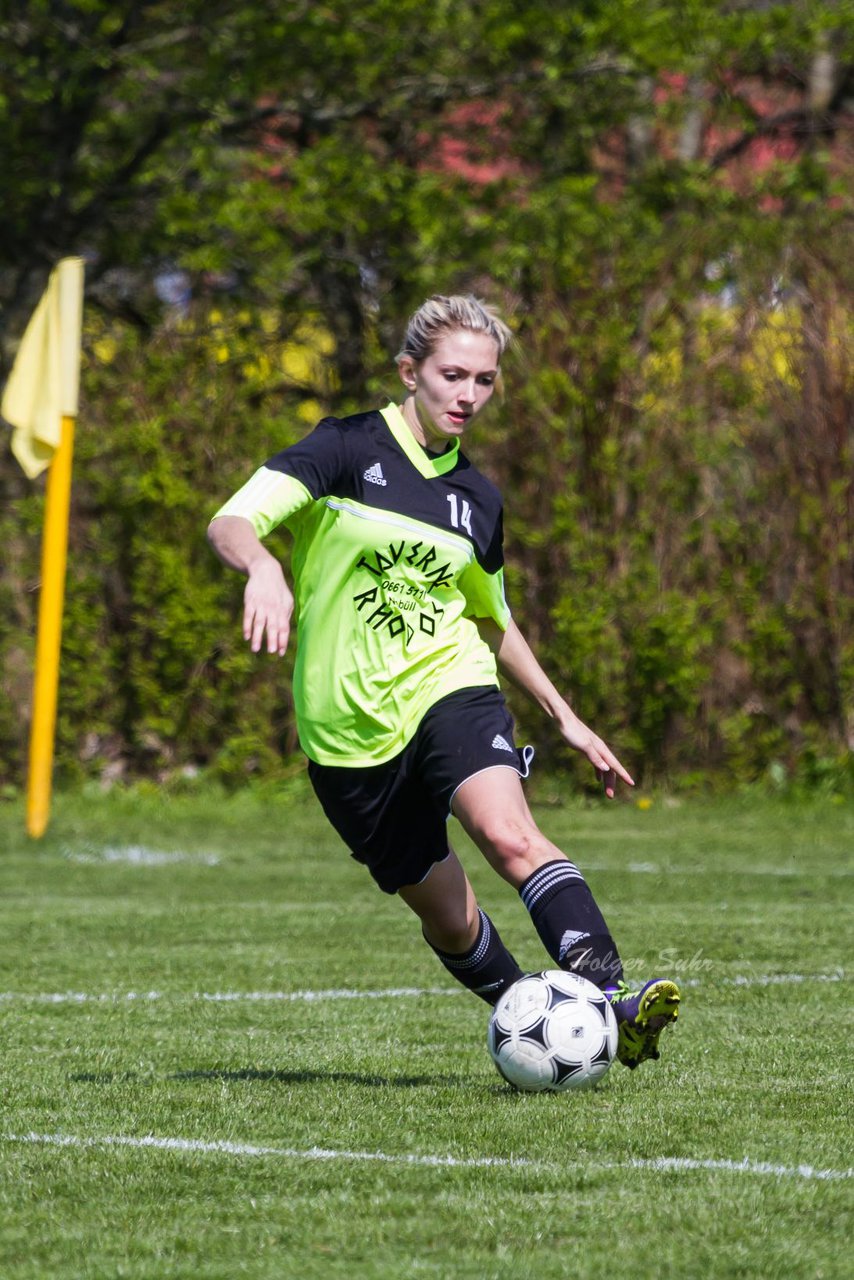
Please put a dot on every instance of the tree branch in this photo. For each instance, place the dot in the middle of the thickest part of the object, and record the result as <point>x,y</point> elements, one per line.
<point>800,121</point>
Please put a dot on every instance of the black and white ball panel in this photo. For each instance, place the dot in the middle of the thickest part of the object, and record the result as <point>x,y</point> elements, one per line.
<point>552,1031</point>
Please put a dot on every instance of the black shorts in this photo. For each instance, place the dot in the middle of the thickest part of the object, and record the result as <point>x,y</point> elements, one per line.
<point>393,816</point>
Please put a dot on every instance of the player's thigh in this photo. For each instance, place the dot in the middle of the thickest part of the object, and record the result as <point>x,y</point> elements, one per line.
<point>462,735</point>
<point>492,809</point>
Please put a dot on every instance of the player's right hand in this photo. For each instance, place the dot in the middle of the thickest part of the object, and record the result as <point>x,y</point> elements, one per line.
<point>268,606</point>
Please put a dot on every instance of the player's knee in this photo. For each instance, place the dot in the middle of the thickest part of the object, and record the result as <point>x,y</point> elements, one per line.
<point>513,848</point>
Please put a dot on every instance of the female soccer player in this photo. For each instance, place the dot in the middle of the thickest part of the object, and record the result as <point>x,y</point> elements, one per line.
<point>403,626</point>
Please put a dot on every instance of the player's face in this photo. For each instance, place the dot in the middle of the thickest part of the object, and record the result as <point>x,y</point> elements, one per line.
<point>449,387</point>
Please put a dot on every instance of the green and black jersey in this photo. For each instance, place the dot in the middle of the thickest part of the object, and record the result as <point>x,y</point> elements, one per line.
<point>395,551</point>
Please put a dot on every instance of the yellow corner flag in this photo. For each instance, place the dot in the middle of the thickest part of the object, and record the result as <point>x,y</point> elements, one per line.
<point>40,401</point>
<point>42,387</point>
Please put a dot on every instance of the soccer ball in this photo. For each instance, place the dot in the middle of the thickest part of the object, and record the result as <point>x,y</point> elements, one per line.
<point>552,1031</point>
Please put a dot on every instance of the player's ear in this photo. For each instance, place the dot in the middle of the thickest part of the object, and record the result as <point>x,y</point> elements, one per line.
<point>406,369</point>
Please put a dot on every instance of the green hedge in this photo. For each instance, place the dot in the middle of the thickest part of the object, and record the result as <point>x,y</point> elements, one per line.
<point>679,543</point>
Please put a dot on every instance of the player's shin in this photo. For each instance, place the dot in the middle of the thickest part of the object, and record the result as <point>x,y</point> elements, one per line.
<point>570,924</point>
<point>487,968</point>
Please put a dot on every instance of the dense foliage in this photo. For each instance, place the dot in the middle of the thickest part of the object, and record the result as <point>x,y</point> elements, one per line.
<point>658,195</point>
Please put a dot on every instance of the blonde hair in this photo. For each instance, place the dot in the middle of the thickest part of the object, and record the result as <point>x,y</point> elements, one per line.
<point>440,315</point>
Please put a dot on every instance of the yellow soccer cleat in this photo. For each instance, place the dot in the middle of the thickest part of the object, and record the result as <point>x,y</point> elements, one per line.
<point>641,1017</point>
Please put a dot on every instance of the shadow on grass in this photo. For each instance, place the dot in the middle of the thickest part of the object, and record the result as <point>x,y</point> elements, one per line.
<point>279,1077</point>
<point>319,1077</point>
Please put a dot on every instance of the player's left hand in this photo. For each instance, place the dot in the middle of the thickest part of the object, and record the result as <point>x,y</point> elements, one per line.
<point>577,734</point>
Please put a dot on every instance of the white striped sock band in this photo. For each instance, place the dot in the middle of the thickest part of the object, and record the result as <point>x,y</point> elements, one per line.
<point>547,881</point>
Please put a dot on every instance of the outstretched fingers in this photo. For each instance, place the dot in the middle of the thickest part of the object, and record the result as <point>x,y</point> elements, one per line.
<point>600,755</point>
<point>608,766</point>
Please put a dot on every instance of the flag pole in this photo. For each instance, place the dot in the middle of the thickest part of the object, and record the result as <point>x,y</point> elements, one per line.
<point>51,600</point>
<point>40,402</point>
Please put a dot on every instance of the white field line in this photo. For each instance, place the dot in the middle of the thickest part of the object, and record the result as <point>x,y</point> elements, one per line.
<point>344,993</point>
<point>655,868</point>
<point>143,856</point>
<point>246,1149</point>
<point>769,979</point>
<point>224,997</point>
<point>138,855</point>
<point>683,1163</point>
<point>661,1164</point>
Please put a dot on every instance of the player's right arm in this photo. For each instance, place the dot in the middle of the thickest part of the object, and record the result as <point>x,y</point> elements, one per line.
<point>268,601</point>
<point>278,490</point>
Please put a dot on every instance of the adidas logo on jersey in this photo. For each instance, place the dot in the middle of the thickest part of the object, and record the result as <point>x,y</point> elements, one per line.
<point>374,475</point>
<point>501,744</point>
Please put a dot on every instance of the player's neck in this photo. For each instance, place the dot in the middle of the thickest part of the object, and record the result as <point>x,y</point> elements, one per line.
<point>409,413</point>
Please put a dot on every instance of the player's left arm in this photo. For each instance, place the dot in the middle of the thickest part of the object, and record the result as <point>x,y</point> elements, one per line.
<point>517,661</point>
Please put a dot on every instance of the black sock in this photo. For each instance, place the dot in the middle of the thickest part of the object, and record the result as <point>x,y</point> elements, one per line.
<point>487,968</point>
<point>570,924</point>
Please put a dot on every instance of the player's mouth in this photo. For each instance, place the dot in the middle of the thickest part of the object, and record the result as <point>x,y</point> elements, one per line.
<point>457,417</point>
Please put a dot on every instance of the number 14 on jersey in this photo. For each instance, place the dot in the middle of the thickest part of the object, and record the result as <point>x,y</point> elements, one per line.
<point>460,518</point>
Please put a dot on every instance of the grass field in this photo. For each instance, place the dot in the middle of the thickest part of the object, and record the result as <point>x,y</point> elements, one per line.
<point>225,1054</point>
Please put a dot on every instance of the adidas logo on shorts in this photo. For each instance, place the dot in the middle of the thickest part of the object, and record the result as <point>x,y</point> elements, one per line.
<point>374,475</point>
<point>501,744</point>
